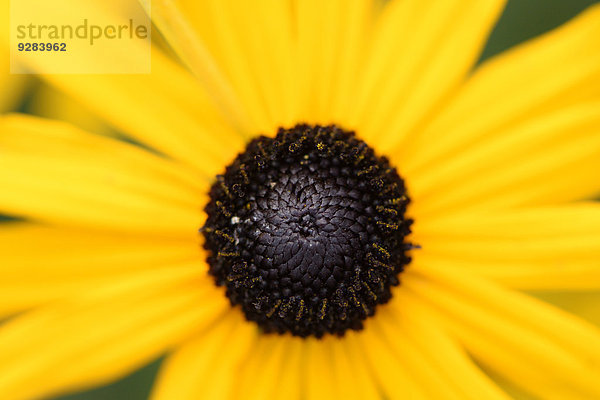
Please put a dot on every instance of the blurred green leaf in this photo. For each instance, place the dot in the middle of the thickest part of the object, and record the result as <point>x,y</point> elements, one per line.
<point>136,386</point>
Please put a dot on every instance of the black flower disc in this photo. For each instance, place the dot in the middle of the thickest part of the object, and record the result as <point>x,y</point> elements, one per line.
<point>306,231</point>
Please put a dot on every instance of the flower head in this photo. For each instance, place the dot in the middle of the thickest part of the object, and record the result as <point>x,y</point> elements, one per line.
<point>326,200</point>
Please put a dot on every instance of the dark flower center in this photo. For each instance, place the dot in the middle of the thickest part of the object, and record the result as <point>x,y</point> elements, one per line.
<point>306,231</point>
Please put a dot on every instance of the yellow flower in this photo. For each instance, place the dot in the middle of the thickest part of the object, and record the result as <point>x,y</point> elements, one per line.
<point>107,271</point>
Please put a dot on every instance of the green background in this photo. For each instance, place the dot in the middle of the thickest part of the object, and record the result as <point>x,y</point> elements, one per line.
<point>522,19</point>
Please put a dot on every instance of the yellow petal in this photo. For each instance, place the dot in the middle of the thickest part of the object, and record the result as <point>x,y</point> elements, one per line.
<point>77,252</point>
<point>441,350</point>
<point>364,381</point>
<point>542,248</point>
<point>343,371</point>
<point>238,47</point>
<point>53,172</point>
<point>582,304</point>
<point>538,78</point>
<point>118,327</point>
<point>167,109</point>
<point>331,42</point>
<point>291,380</point>
<point>261,370</point>
<point>390,372</point>
<point>543,160</point>
<point>47,102</point>
<point>432,382</point>
<point>206,367</point>
<point>421,52</point>
<point>318,368</point>
<point>352,27</point>
<point>487,354</point>
<point>175,20</point>
<point>258,54</point>
<point>525,275</point>
<point>40,264</point>
<point>552,351</point>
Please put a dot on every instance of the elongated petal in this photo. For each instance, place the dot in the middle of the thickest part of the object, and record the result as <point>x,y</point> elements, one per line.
<point>40,264</point>
<point>166,109</point>
<point>582,304</point>
<point>551,159</point>
<point>365,381</point>
<point>421,52</point>
<point>541,248</point>
<point>291,381</point>
<point>48,252</point>
<point>260,371</point>
<point>318,371</point>
<point>53,172</point>
<point>509,90</point>
<point>288,62</point>
<point>424,373</point>
<point>332,39</point>
<point>441,350</point>
<point>175,21</point>
<point>529,342</point>
<point>50,103</point>
<point>256,50</point>
<point>390,372</point>
<point>343,372</point>
<point>118,327</point>
<point>243,52</point>
<point>206,366</point>
<point>352,378</point>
